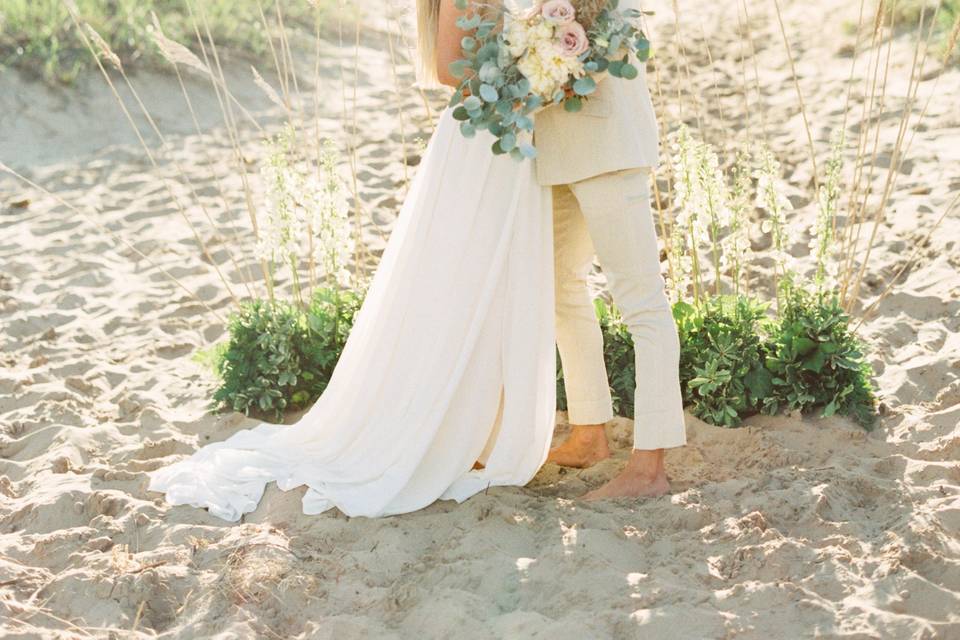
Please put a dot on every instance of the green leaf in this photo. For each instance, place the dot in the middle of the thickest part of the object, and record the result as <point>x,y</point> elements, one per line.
<point>460,113</point>
<point>488,93</point>
<point>489,72</point>
<point>628,72</point>
<point>584,86</point>
<point>472,103</point>
<point>815,362</point>
<point>527,150</point>
<point>573,104</point>
<point>804,345</point>
<point>457,68</point>
<point>642,49</point>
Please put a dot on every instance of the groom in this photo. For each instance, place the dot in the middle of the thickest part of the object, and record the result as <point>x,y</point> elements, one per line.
<point>598,162</point>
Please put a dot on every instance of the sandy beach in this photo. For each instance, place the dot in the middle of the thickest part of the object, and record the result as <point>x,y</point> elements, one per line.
<point>788,527</point>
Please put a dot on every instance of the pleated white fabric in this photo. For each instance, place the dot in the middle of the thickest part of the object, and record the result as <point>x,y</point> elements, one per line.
<point>451,359</point>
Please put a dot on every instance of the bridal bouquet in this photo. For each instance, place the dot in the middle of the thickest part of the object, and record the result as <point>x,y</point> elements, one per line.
<point>518,61</point>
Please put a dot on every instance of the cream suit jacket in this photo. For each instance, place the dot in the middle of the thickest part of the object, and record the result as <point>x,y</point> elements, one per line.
<point>616,129</point>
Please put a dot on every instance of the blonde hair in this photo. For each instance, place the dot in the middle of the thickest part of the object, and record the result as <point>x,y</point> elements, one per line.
<point>428,21</point>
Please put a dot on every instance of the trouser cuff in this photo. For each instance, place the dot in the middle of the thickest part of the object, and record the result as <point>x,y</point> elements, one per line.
<point>659,429</point>
<point>597,412</point>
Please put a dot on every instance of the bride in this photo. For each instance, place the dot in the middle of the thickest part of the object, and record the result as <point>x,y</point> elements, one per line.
<point>446,385</point>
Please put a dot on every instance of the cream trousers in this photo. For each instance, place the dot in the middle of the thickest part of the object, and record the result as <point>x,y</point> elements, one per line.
<point>609,216</point>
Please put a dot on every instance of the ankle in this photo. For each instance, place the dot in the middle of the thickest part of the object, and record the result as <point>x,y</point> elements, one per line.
<point>647,464</point>
<point>588,434</point>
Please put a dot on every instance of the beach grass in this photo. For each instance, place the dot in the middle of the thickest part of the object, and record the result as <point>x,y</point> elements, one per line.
<point>38,36</point>
<point>943,15</point>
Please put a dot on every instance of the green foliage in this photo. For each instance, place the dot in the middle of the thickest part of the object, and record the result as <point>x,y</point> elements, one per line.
<point>722,373</point>
<point>736,360</point>
<point>38,36</point>
<point>619,358</point>
<point>618,355</point>
<point>817,361</point>
<point>281,355</point>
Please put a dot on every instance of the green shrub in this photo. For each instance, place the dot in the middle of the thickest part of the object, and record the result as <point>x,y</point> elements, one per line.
<point>722,373</point>
<point>817,361</point>
<point>280,355</point>
<point>736,360</point>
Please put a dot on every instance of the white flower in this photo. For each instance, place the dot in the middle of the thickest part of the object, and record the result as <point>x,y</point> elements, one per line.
<point>517,38</point>
<point>547,68</point>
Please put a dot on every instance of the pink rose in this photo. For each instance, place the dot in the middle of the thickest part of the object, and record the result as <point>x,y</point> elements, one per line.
<point>572,39</point>
<point>558,12</point>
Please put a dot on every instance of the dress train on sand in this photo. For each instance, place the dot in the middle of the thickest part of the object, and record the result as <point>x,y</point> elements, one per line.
<point>451,359</point>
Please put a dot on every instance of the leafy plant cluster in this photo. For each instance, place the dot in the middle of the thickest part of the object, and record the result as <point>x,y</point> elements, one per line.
<point>281,355</point>
<point>736,360</point>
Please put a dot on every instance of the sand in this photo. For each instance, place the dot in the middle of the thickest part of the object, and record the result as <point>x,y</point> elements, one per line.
<point>789,527</point>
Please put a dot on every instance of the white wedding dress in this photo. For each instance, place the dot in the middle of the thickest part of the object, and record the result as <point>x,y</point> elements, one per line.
<point>451,359</point>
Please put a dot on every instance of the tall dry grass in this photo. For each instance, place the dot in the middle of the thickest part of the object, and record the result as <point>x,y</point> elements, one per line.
<point>856,210</point>
<point>855,204</point>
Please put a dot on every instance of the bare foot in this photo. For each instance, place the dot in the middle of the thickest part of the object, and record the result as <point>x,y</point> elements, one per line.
<point>586,446</point>
<point>645,476</point>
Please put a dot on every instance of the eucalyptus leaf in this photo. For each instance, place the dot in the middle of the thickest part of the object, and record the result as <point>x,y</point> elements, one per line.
<point>573,104</point>
<point>467,129</point>
<point>508,141</point>
<point>489,71</point>
<point>472,103</point>
<point>628,71</point>
<point>488,51</point>
<point>615,43</point>
<point>642,49</point>
<point>488,93</point>
<point>584,86</point>
<point>457,68</point>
